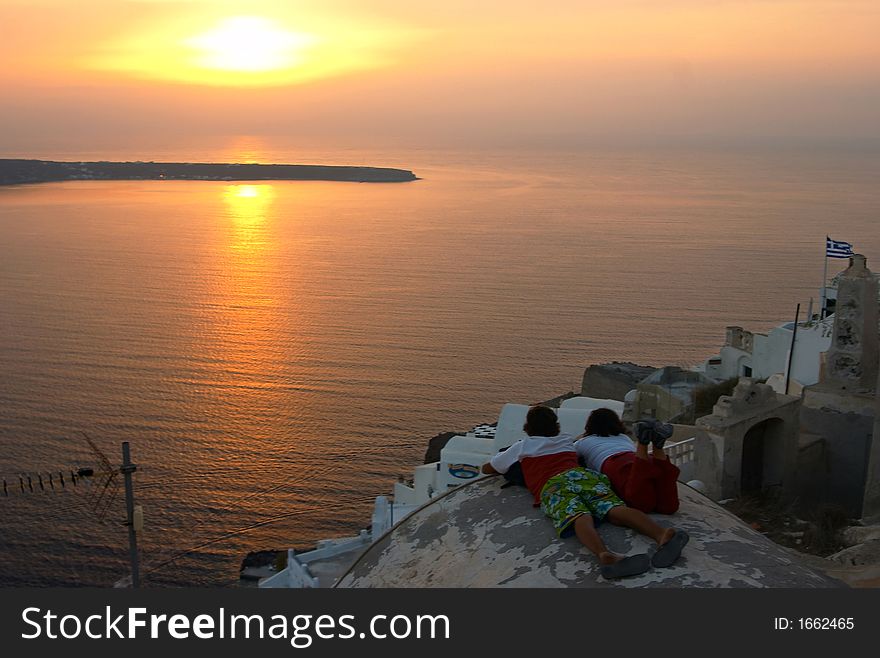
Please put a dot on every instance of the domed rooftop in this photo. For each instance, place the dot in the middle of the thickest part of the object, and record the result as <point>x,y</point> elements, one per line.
<point>481,535</point>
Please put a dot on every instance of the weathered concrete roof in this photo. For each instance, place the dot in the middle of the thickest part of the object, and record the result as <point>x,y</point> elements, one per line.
<point>481,535</point>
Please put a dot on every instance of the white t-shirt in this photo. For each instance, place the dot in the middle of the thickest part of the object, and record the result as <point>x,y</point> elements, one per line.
<point>541,457</point>
<point>596,449</point>
<point>532,446</point>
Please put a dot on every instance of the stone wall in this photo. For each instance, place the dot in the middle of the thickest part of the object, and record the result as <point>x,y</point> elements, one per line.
<point>842,407</point>
<point>613,381</point>
<point>871,500</point>
<point>852,359</point>
<point>847,441</point>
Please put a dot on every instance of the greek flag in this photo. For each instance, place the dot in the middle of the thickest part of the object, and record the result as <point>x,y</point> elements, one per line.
<point>837,249</point>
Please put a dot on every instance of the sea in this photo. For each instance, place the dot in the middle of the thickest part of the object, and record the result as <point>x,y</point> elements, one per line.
<point>277,354</point>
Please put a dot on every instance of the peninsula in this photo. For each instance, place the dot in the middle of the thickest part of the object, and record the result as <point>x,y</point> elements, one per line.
<point>17,172</point>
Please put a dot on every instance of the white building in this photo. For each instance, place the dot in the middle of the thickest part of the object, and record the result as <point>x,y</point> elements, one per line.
<point>760,356</point>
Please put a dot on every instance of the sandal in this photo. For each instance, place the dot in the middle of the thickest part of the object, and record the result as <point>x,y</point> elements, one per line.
<point>631,565</point>
<point>669,552</point>
<point>662,431</point>
<point>644,431</point>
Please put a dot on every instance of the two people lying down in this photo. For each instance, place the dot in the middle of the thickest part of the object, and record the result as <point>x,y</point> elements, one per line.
<point>620,483</point>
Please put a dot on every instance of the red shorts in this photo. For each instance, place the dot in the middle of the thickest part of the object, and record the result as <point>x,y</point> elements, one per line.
<point>649,485</point>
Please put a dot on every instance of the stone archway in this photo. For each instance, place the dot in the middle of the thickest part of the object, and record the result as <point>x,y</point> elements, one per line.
<point>749,442</point>
<point>763,455</point>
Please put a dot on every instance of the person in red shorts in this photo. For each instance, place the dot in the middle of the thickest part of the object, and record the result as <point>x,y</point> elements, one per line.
<point>646,482</point>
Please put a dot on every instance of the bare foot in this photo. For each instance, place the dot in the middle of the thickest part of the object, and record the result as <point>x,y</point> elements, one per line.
<point>608,557</point>
<point>668,534</point>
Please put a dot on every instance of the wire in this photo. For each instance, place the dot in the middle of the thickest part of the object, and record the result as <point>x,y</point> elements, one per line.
<point>213,514</point>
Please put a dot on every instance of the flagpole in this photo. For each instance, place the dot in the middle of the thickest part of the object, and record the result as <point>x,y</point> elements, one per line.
<point>824,281</point>
<point>797,315</point>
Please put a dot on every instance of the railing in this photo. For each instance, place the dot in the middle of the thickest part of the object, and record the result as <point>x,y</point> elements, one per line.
<point>682,455</point>
<point>294,575</point>
<point>297,573</point>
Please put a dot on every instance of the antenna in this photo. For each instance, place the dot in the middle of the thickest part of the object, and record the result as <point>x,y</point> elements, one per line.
<point>100,495</point>
<point>106,487</point>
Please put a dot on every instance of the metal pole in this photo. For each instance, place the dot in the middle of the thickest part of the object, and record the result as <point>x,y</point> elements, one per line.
<point>127,469</point>
<point>797,315</point>
<point>824,282</point>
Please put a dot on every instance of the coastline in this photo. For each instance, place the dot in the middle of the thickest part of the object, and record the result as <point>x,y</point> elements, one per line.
<point>19,172</point>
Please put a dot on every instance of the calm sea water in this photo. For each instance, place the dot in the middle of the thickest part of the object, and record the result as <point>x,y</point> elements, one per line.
<point>276,354</point>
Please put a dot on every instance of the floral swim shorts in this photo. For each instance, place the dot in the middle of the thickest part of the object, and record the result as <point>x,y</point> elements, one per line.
<point>574,492</point>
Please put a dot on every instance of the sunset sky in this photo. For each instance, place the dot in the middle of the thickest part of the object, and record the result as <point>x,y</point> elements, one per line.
<point>493,72</point>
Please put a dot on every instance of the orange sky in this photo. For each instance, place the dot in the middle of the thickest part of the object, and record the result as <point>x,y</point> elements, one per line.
<point>498,72</point>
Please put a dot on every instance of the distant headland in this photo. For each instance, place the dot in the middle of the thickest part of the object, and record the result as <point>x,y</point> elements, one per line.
<point>17,172</point>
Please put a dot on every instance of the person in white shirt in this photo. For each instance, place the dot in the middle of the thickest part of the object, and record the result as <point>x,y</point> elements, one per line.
<point>646,482</point>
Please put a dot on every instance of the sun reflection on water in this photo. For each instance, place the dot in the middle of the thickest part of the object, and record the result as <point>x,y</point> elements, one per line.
<point>248,206</point>
<point>247,323</point>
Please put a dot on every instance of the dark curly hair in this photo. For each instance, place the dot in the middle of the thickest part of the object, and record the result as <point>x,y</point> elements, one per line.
<point>541,421</point>
<point>604,422</point>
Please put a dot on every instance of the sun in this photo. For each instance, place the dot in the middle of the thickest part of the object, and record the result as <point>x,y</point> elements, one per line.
<point>247,50</point>
<point>249,44</point>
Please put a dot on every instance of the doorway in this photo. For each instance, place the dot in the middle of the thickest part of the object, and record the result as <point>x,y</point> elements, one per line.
<point>762,457</point>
